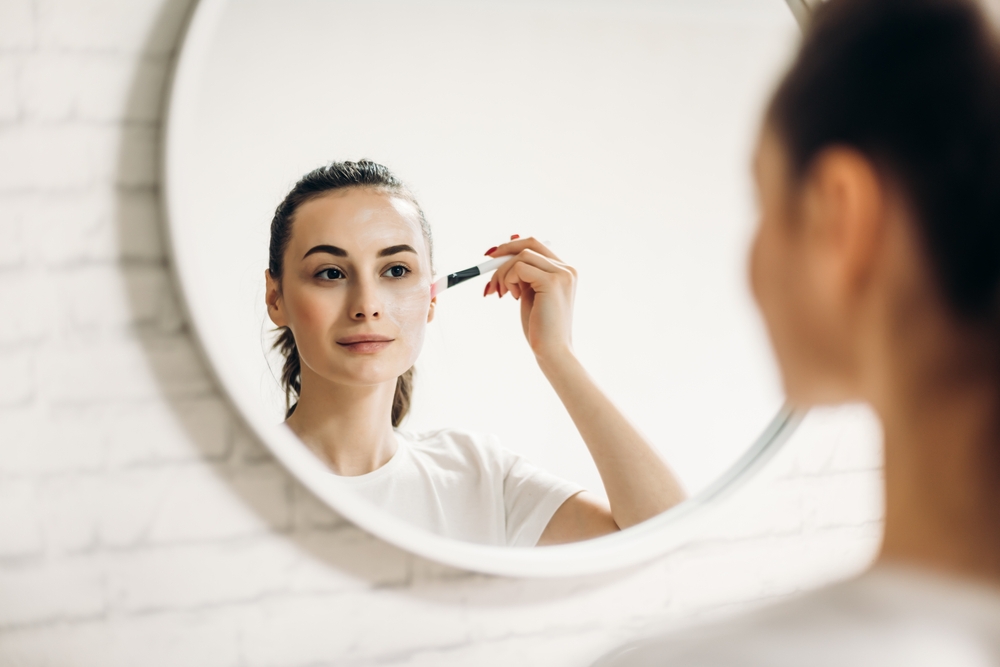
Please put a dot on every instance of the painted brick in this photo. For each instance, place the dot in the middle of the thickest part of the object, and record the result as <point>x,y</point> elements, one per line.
<point>843,499</point>
<point>159,640</point>
<point>58,157</point>
<point>199,575</point>
<point>19,525</point>
<point>17,24</point>
<point>229,503</point>
<point>246,447</point>
<point>71,505</point>
<point>152,432</point>
<point>140,233</point>
<point>161,505</point>
<point>139,156</point>
<point>130,295</point>
<point>164,505</point>
<point>17,368</point>
<point>67,227</point>
<point>89,371</point>
<point>818,431</point>
<point>10,104</point>
<point>311,512</point>
<point>346,559</point>
<point>179,366</point>
<point>844,438</point>
<point>121,26</point>
<point>859,446</point>
<point>123,367</point>
<point>547,650</point>
<point>325,629</point>
<point>97,87</point>
<point>27,298</point>
<point>46,592</point>
<point>767,509</point>
<point>38,440</point>
<point>59,228</point>
<point>12,251</point>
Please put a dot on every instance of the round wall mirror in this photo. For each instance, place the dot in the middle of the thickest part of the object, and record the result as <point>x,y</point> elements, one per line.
<point>620,131</point>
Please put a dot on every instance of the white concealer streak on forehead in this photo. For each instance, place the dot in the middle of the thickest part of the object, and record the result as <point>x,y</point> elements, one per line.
<point>362,221</point>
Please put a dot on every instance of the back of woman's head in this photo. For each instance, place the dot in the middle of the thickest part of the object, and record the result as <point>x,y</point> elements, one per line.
<point>914,85</point>
<point>318,182</point>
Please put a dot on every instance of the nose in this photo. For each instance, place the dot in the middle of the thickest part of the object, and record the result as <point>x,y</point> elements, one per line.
<point>365,302</point>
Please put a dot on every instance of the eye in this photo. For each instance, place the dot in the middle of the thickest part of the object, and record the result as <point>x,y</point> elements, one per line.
<point>397,271</point>
<point>330,274</point>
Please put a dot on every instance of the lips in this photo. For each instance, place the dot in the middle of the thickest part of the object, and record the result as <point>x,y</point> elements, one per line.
<point>365,343</point>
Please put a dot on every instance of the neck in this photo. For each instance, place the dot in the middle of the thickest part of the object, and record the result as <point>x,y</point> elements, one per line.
<point>941,416</point>
<point>348,427</point>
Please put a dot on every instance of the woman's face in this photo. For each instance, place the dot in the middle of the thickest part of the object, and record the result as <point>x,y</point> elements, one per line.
<point>793,284</point>
<point>355,290</point>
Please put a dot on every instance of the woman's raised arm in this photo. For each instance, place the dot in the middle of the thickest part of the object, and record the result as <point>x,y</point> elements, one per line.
<point>639,483</point>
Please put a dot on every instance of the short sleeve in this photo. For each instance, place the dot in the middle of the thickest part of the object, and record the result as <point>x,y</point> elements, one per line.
<point>531,496</point>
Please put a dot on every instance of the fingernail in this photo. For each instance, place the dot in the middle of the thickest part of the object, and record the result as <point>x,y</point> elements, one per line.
<point>514,236</point>
<point>486,290</point>
<point>491,250</point>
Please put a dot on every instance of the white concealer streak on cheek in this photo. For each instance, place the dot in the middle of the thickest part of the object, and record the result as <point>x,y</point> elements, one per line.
<point>407,309</point>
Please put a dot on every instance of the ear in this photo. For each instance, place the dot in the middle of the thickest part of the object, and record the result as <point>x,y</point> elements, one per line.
<point>272,297</point>
<point>845,211</point>
<point>430,310</point>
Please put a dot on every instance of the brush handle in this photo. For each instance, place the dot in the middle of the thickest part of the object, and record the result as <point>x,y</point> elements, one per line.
<point>459,277</point>
<point>493,264</point>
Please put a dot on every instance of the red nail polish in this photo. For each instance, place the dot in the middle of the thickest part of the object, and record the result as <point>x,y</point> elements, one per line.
<point>491,250</point>
<point>514,236</point>
<point>486,290</point>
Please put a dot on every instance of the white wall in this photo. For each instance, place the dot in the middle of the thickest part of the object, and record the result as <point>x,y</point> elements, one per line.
<point>140,525</point>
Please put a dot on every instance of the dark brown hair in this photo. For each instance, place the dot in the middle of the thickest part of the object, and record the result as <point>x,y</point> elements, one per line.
<point>318,182</point>
<point>914,85</point>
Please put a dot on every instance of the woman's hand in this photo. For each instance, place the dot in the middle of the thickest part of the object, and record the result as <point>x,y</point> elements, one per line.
<point>545,286</point>
<point>639,483</point>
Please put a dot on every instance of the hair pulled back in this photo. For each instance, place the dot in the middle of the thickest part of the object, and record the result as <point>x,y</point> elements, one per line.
<point>914,85</point>
<point>318,182</point>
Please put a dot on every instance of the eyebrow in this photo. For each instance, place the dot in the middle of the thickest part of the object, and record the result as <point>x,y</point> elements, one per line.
<point>328,249</point>
<point>396,249</point>
<point>340,252</point>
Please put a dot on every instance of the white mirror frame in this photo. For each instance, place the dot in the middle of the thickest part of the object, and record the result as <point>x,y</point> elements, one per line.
<point>633,546</point>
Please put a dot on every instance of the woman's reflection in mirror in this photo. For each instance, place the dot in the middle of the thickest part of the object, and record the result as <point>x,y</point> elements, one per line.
<point>876,266</point>
<point>348,285</point>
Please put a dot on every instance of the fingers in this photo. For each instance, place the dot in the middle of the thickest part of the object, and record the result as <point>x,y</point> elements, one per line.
<point>517,244</point>
<point>528,268</point>
<point>530,251</point>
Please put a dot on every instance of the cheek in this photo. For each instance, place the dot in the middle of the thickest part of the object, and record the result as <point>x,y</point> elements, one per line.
<point>755,266</point>
<point>765,264</point>
<point>409,314</point>
<point>407,309</point>
<point>773,280</point>
<point>311,312</point>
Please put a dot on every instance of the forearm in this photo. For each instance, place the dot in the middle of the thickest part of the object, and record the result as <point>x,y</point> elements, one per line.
<point>639,483</point>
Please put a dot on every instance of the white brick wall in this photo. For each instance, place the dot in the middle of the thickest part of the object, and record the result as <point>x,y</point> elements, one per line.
<point>141,525</point>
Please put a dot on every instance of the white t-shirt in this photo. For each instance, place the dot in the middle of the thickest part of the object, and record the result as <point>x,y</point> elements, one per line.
<point>887,617</point>
<point>465,486</point>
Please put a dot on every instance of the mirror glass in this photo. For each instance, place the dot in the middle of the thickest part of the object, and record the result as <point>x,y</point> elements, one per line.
<point>620,131</point>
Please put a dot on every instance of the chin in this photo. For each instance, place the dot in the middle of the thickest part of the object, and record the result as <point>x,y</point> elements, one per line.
<point>367,374</point>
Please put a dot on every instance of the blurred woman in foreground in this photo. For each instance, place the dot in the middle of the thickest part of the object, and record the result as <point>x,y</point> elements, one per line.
<point>877,268</point>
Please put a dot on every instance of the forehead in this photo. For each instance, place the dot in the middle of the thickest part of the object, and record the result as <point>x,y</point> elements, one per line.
<point>354,218</point>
